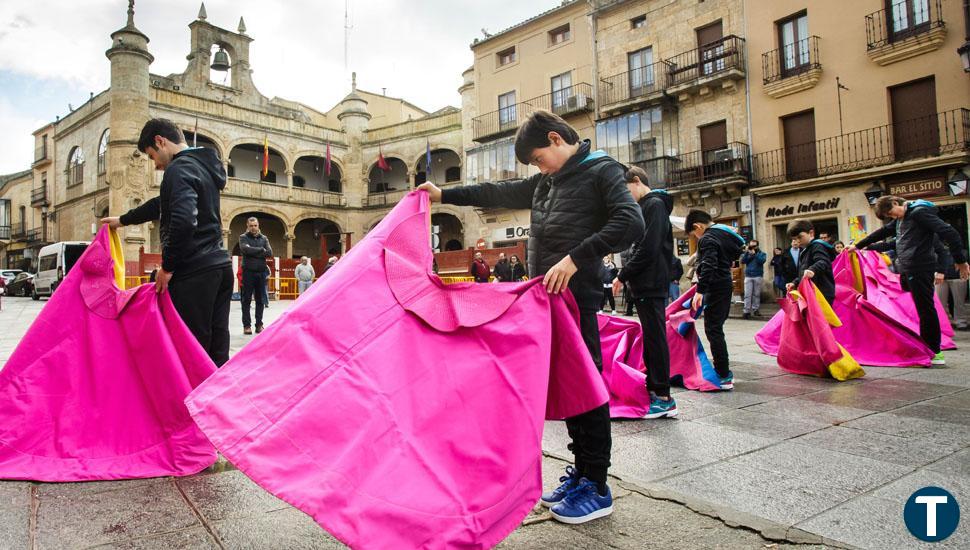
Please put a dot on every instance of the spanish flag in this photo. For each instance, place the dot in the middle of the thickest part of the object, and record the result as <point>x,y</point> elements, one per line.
<point>265,156</point>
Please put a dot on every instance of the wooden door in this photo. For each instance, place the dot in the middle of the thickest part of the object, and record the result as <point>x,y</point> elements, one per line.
<point>799,134</point>
<point>915,129</point>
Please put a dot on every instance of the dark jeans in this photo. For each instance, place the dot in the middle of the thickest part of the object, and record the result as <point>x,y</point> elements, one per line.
<point>656,354</point>
<point>254,282</point>
<point>718,305</point>
<point>628,300</point>
<point>590,431</point>
<point>202,301</point>
<point>920,285</point>
<point>608,296</point>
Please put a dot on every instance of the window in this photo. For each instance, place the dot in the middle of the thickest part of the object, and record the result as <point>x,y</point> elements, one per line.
<point>453,173</point>
<point>908,16</point>
<point>102,153</point>
<point>506,57</point>
<point>559,35</point>
<point>562,88</point>
<point>5,221</point>
<point>230,171</point>
<point>641,71</point>
<point>270,176</point>
<point>506,109</point>
<point>75,167</point>
<point>793,40</point>
<point>638,22</point>
<point>23,219</point>
<point>493,162</point>
<point>333,186</point>
<point>299,181</point>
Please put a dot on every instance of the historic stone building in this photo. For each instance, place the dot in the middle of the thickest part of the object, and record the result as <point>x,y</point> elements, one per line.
<point>87,164</point>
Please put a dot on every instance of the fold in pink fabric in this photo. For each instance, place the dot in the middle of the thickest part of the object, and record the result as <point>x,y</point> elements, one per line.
<point>624,372</point>
<point>879,323</point>
<point>689,364</point>
<point>395,410</point>
<point>95,389</point>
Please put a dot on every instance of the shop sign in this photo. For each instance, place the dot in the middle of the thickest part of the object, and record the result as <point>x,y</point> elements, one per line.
<point>922,188</point>
<point>802,208</point>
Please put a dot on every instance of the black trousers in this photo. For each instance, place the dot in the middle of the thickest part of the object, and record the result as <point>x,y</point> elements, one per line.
<point>920,285</point>
<point>718,306</point>
<point>628,300</point>
<point>608,296</point>
<point>253,282</point>
<point>590,431</point>
<point>656,354</point>
<point>202,301</point>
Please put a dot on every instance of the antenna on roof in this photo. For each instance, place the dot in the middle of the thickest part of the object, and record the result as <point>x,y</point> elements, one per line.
<point>347,29</point>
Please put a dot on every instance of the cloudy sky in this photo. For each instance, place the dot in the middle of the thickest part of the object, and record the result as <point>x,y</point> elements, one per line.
<point>52,52</point>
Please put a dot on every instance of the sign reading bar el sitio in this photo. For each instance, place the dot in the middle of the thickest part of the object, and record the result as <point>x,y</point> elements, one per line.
<point>922,188</point>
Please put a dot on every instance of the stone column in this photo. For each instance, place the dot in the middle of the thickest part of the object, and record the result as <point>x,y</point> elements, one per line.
<point>289,244</point>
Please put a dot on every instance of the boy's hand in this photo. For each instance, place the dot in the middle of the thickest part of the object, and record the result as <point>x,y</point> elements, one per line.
<point>161,281</point>
<point>964,270</point>
<point>789,286</point>
<point>617,287</point>
<point>434,192</point>
<point>697,301</point>
<point>112,222</point>
<point>808,274</point>
<point>850,248</point>
<point>559,275</point>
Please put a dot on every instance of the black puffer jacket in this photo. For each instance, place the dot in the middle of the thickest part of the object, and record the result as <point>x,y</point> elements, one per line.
<point>915,234</point>
<point>647,271</point>
<point>187,208</point>
<point>717,249</point>
<point>584,210</point>
<point>254,249</point>
<point>818,257</point>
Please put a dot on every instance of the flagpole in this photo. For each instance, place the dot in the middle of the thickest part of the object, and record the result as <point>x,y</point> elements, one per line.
<point>195,134</point>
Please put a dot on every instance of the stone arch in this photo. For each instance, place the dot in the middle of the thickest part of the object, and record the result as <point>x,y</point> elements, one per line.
<point>274,227</point>
<point>103,151</point>
<point>316,177</point>
<point>206,138</point>
<point>239,210</point>
<point>250,168</point>
<point>395,179</point>
<point>316,237</point>
<point>451,235</point>
<point>443,160</point>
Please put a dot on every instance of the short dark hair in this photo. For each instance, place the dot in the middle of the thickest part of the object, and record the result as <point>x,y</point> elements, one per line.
<point>799,226</point>
<point>696,216</point>
<point>534,133</point>
<point>636,172</point>
<point>159,127</point>
<point>885,203</point>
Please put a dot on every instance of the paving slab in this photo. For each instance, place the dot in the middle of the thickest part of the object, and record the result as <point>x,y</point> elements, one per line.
<point>287,528</point>
<point>895,449</point>
<point>229,494</point>
<point>796,409</point>
<point>196,538</point>
<point>941,433</point>
<point>15,527</point>
<point>763,425</point>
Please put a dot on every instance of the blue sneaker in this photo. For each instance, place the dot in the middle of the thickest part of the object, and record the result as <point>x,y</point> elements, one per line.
<point>569,482</point>
<point>727,383</point>
<point>583,504</point>
<point>660,408</point>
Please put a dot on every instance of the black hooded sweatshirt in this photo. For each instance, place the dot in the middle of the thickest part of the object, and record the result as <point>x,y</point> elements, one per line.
<point>584,210</point>
<point>818,257</point>
<point>187,208</point>
<point>717,249</point>
<point>648,269</point>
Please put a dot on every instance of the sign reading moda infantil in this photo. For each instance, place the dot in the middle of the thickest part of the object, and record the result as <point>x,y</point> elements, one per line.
<point>802,208</point>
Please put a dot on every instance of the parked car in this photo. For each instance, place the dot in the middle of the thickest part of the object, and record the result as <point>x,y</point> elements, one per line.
<point>9,274</point>
<point>22,285</point>
<point>54,262</point>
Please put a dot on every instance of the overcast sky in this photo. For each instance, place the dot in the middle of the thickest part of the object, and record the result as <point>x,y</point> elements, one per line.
<point>52,52</point>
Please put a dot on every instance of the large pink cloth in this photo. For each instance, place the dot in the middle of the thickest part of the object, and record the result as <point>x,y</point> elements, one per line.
<point>397,411</point>
<point>624,372</point>
<point>879,322</point>
<point>689,365</point>
<point>95,389</point>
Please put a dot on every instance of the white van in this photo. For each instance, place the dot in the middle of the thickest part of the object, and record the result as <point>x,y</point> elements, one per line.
<point>53,263</point>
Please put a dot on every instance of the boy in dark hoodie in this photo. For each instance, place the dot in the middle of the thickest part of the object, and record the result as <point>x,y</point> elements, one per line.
<point>196,268</point>
<point>815,259</point>
<point>916,224</point>
<point>647,272</point>
<point>581,212</point>
<point>718,247</point>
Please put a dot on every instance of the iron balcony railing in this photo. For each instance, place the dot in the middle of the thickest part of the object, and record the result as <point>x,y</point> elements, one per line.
<point>4,232</point>
<point>572,99</point>
<point>19,233</point>
<point>731,161</point>
<point>633,84</point>
<point>790,60</point>
<point>36,235</point>
<point>38,196</point>
<point>722,55</point>
<point>902,21</point>
<point>387,198</point>
<point>933,135</point>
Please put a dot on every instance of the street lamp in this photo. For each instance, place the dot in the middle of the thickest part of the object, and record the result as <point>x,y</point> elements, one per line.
<point>964,50</point>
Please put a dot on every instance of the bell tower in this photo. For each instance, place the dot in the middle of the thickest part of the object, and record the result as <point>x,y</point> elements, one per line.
<point>129,172</point>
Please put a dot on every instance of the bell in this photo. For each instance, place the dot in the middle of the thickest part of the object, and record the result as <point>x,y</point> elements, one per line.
<point>220,61</point>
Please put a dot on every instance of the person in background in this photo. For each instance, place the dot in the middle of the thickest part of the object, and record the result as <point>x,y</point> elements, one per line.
<point>304,275</point>
<point>839,247</point>
<point>754,277</point>
<point>950,285</point>
<point>517,269</point>
<point>607,275</point>
<point>255,248</point>
<point>502,272</point>
<point>479,269</point>
<point>780,267</point>
<point>676,274</point>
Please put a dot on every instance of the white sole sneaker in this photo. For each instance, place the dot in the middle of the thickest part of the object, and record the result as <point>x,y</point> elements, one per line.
<point>601,513</point>
<point>669,414</point>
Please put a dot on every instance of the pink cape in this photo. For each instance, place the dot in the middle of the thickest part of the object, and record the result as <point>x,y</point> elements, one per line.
<point>807,343</point>
<point>689,365</point>
<point>879,322</point>
<point>623,370</point>
<point>95,389</point>
<point>397,411</point>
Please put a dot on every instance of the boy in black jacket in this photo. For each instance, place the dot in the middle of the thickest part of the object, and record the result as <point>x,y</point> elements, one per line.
<point>916,225</point>
<point>647,272</point>
<point>815,259</point>
<point>581,211</point>
<point>718,246</point>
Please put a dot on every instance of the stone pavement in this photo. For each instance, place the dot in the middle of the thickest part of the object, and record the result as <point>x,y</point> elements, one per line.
<point>781,460</point>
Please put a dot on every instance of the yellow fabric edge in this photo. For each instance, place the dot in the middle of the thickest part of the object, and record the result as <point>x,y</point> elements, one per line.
<point>827,310</point>
<point>117,257</point>
<point>846,368</point>
<point>857,283</point>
